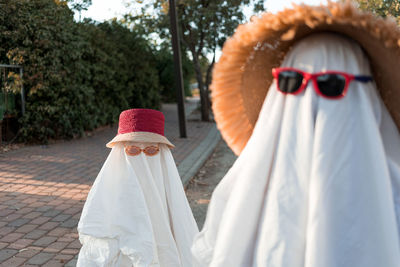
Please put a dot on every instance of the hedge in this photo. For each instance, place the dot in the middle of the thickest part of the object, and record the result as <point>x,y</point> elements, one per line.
<point>78,76</point>
<point>166,73</point>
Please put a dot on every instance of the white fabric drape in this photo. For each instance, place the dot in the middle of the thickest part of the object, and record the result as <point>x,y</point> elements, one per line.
<point>318,182</point>
<point>137,214</point>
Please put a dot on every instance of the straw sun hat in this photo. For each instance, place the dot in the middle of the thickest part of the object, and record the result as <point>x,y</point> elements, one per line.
<point>142,126</point>
<point>243,75</point>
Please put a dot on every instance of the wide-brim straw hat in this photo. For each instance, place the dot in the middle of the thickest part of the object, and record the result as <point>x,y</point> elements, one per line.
<point>243,75</point>
<point>141,126</point>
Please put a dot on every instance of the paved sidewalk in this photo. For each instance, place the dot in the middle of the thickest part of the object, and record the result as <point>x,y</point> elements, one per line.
<point>43,189</point>
<point>201,187</point>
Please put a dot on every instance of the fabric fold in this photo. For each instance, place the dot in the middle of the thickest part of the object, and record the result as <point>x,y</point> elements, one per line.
<point>126,220</point>
<point>317,183</point>
<point>116,209</point>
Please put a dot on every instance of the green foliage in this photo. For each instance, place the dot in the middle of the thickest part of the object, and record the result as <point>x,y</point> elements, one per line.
<point>166,71</point>
<point>383,8</point>
<point>122,69</point>
<point>79,5</point>
<point>204,27</point>
<point>205,24</point>
<point>12,83</point>
<point>78,76</point>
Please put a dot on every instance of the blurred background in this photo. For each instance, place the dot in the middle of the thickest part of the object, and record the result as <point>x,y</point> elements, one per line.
<point>69,67</point>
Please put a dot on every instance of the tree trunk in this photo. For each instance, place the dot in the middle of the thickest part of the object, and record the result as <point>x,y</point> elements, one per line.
<point>205,115</point>
<point>208,79</point>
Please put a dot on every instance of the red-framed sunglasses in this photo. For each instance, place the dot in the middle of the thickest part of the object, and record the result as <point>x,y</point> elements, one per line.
<point>328,84</point>
<point>135,150</point>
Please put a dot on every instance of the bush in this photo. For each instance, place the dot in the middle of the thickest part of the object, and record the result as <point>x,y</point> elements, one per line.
<point>166,72</point>
<point>77,76</point>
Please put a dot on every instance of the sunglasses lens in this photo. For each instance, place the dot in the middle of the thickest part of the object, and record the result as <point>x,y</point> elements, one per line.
<point>331,85</point>
<point>133,150</point>
<point>151,150</point>
<point>289,81</point>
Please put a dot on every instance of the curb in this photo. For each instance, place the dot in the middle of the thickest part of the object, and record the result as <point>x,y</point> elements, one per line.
<point>192,163</point>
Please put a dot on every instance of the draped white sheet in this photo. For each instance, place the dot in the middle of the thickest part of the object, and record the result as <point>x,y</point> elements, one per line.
<point>137,214</point>
<point>318,183</point>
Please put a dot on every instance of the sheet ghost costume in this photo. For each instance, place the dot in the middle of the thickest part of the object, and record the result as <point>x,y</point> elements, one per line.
<point>136,213</point>
<point>318,182</point>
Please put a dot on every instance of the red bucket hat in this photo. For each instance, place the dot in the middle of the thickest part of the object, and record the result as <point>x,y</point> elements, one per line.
<point>141,125</point>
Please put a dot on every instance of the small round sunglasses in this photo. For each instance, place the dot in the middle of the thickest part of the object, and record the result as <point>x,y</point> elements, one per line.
<point>328,84</point>
<point>135,150</point>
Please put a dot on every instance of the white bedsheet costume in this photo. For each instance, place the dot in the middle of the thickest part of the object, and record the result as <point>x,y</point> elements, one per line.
<point>136,213</point>
<point>318,183</point>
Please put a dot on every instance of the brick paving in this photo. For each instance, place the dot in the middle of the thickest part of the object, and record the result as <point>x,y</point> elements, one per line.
<point>43,189</point>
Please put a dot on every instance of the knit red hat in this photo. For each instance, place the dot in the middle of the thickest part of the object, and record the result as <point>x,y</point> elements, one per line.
<point>141,125</point>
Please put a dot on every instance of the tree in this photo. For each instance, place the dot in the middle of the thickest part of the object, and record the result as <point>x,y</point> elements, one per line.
<point>165,66</point>
<point>79,5</point>
<point>204,27</point>
<point>383,8</point>
<point>77,76</point>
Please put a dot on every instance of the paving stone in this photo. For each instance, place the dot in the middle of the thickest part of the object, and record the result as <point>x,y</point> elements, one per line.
<point>53,263</point>
<point>64,258</point>
<point>71,223</point>
<point>3,245</point>
<point>73,210</point>
<point>61,218</point>
<point>59,231</point>
<point>51,213</point>
<point>11,201</point>
<point>28,201</point>
<point>75,244</point>
<point>26,228</point>
<point>35,204</point>
<point>43,208</point>
<point>23,210</point>
<point>72,263</point>
<point>56,247</point>
<point>28,252</point>
<point>49,226</point>
<point>67,239</point>
<point>12,217</point>
<point>45,241</point>
<point>18,222</point>
<point>33,215</point>
<point>35,234</point>
<point>63,207</point>
<point>21,243</point>
<point>6,230</point>
<point>7,253</point>
<point>11,237</point>
<point>13,262</point>
<point>57,202</point>
<point>41,258</point>
<point>20,206</point>
<point>46,199</point>
<point>70,251</point>
<point>40,220</point>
